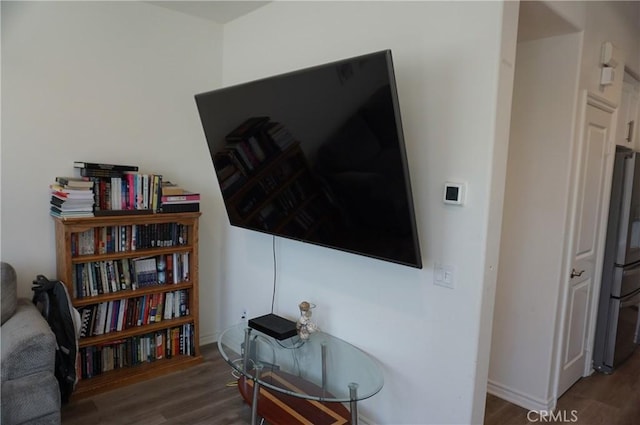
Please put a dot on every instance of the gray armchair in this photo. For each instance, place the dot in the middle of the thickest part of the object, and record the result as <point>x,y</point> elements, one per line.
<point>30,392</point>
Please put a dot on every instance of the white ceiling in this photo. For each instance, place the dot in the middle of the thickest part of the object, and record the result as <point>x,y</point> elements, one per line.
<point>216,11</point>
<point>537,20</point>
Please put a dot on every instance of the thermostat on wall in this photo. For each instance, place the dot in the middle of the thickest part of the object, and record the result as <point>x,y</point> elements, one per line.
<point>454,193</point>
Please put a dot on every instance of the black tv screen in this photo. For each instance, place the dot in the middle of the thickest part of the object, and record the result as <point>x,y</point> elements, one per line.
<point>317,155</point>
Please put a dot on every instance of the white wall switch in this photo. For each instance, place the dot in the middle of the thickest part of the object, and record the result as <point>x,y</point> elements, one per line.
<point>444,275</point>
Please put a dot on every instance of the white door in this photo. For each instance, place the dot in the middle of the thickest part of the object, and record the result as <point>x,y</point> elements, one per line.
<point>592,196</point>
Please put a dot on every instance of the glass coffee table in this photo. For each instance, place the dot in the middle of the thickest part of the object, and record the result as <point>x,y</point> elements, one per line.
<point>300,380</point>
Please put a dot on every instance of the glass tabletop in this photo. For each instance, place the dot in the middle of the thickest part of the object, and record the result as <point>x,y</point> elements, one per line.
<point>322,367</point>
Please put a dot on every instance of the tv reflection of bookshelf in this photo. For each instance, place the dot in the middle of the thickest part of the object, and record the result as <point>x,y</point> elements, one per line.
<point>281,197</point>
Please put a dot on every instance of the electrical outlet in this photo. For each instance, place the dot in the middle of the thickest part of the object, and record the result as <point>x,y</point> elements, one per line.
<point>244,314</point>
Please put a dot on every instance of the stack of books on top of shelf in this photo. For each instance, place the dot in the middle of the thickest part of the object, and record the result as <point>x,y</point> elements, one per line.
<point>110,189</point>
<point>120,189</point>
<point>175,199</point>
<point>71,197</point>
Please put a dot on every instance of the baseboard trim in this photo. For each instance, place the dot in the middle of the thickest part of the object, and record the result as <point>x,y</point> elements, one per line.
<point>364,420</point>
<point>208,339</point>
<point>519,398</point>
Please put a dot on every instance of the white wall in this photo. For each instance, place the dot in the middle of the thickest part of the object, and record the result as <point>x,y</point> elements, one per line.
<point>619,23</point>
<point>614,21</point>
<point>108,82</point>
<point>540,182</point>
<point>115,81</point>
<point>427,338</point>
<point>534,228</point>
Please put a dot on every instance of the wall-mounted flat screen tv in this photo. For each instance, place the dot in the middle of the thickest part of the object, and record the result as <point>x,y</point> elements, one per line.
<point>317,155</point>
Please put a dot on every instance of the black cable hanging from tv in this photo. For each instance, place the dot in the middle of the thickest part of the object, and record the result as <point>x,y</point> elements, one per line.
<point>273,295</point>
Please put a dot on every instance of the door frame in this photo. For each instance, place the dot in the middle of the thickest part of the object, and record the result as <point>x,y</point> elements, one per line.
<point>587,99</point>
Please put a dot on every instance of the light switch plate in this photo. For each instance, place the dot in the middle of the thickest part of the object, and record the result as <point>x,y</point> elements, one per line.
<point>444,275</point>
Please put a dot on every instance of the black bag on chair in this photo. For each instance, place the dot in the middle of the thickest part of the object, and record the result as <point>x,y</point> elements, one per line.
<point>53,301</point>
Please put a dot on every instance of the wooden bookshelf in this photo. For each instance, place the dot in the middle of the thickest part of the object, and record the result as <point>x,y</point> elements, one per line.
<point>96,372</point>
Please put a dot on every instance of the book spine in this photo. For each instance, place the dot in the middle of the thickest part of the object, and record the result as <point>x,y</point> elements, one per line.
<point>178,198</point>
<point>145,191</point>
<point>131,202</point>
<point>90,172</point>
<point>157,189</point>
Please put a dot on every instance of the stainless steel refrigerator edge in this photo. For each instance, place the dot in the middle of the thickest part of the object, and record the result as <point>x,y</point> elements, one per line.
<point>617,327</point>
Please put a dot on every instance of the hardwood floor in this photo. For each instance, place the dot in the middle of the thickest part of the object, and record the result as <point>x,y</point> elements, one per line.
<point>598,399</point>
<point>200,395</point>
<point>196,396</point>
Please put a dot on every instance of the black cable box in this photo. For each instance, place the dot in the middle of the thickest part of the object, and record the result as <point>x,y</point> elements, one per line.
<point>274,326</point>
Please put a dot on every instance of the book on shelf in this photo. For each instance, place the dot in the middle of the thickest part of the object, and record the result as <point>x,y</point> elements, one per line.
<point>64,192</point>
<point>107,213</point>
<point>102,277</point>
<point>121,315</point>
<point>69,214</point>
<point>160,307</point>
<point>186,196</point>
<point>90,172</point>
<point>146,271</point>
<point>117,190</point>
<point>83,243</point>
<point>73,197</point>
<point>178,202</point>
<point>168,311</point>
<point>124,238</point>
<point>108,319</point>
<point>74,182</point>
<point>180,207</point>
<point>154,303</point>
<point>146,311</point>
<point>161,264</point>
<point>71,204</point>
<point>128,193</point>
<point>96,360</point>
<point>187,201</point>
<point>169,268</point>
<point>159,345</point>
<point>169,189</point>
<point>103,166</point>
<point>66,207</point>
<point>85,321</point>
<point>180,267</point>
<point>101,314</point>
<point>68,202</point>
